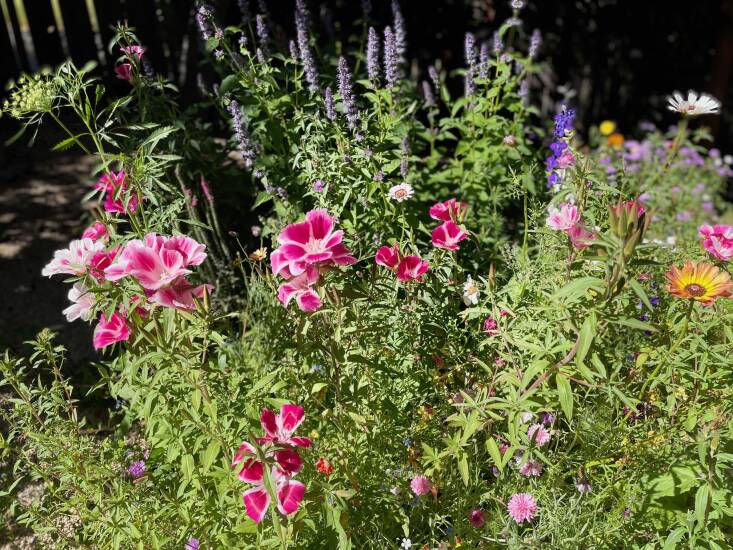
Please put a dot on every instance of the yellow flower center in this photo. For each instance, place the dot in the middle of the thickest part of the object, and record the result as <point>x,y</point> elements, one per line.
<point>695,290</point>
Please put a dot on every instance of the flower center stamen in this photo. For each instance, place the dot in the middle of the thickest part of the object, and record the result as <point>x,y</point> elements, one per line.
<point>695,290</point>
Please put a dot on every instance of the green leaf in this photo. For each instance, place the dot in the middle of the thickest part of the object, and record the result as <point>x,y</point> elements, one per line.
<point>585,338</point>
<point>577,288</point>
<point>187,465</point>
<point>637,288</point>
<point>634,323</point>
<point>565,395</point>
<point>210,454</point>
<point>494,452</point>
<point>228,84</point>
<point>463,468</point>
<point>701,503</point>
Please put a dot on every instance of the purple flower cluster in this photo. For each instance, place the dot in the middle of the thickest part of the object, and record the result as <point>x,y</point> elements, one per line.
<point>534,43</point>
<point>563,125</point>
<point>372,55</point>
<point>483,60</point>
<point>263,34</point>
<point>328,101</point>
<point>204,19</point>
<point>427,92</point>
<point>391,59</point>
<point>241,134</point>
<point>137,469</point>
<point>347,94</point>
<point>400,32</point>
<point>470,55</point>
<point>302,25</point>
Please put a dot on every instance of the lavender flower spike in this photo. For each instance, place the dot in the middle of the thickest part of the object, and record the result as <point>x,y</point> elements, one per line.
<point>498,44</point>
<point>263,33</point>
<point>427,92</point>
<point>483,61</point>
<point>534,43</point>
<point>328,100</point>
<point>434,77</point>
<point>242,136</point>
<point>373,54</point>
<point>391,61</point>
<point>347,94</point>
<point>293,51</point>
<point>306,55</point>
<point>400,32</point>
<point>204,15</point>
<point>470,53</point>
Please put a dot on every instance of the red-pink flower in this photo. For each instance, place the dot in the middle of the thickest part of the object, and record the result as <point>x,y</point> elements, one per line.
<point>101,261</point>
<point>97,231</point>
<point>580,237</point>
<point>124,71</point>
<point>490,326</point>
<point>448,235</point>
<point>110,331</point>
<point>114,185</point>
<point>627,206</point>
<point>181,294</point>
<point>257,500</point>
<point>539,434</point>
<point>279,428</point>
<point>449,210</point>
<point>522,507</point>
<point>566,160</point>
<point>718,240</point>
<point>411,268</point>
<point>420,485</point>
<point>300,288</point>
<point>564,218</point>
<point>133,51</point>
<point>74,260</point>
<point>476,518</point>
<point>388,256</point>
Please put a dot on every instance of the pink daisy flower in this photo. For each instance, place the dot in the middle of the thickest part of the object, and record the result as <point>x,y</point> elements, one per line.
<point>522,507</point>
<point>539,434</point>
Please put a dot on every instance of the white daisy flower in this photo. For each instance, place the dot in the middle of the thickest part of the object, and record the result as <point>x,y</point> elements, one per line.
<point>406,544</point>
<point>401,192</point>
<point>470,292</point>
<point>694,105</point>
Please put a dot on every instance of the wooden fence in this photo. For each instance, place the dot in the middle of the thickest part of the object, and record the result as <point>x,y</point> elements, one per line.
<point>46,32</point>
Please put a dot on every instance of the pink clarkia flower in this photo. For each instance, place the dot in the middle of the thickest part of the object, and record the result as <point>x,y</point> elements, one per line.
<point>564,218</point>
<point>300,288</point>
<point>279,428</point>
<point>420,485</point>
<point>114,185</point>
<point>110,331</point>
<point>450,210</point>
<point>135,50</point>
<point>539,434</point>
<point>411,268</point>
<point>531,468</point>
<point>566,160</point>
<point>124,71</point>
<point>626,206</point>
<point>388,256</point>
<point>307,243</point>
<point>180,295</point>
<point>257,500</point>
<point>157,261</point>
<point>448,235</point>
<point>287,460</point>
<point>82,303</point>
<point>74,260</point>
<point>476,518</point>
<point>97,231</point>
<point>490,326</point>
<point>718,240</point>
<point>522,507</point>
<point>101,261</point>
<point>580,237</point>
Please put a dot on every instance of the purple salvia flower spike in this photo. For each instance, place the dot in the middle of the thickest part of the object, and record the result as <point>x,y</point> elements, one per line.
<point>400,32</point>
<point>373,54</point>
<point>328,101</point>
<point>263,33</point>
<point>306,55</point>
<point>470,55</point>
<point>391,61</point>
<point>242,136</point>
<point>347,94</point>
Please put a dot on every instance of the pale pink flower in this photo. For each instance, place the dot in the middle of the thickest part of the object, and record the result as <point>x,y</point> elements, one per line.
<point>420,485</point>
<point>82,303</point>
<point>300,288</point>
<point>450,210</point>
<point>539,434</point>
<point>110,331</point>
<point>531,468</point>
<point>476,518</point>
<point>522,507</point>
<point>180,295</point>
<point>448,235</point>
<point>114,185</point>
<point>566,160</point>
<point>564,218</point>
<point>97,231</point>
<point>580,237</point>
<point>388,256</point>
<point>718,240</point>
<point>124,71</point>
<point>401,192</point>
<point>411,268</point>
<point>309,242</point>
<point>73,260</point>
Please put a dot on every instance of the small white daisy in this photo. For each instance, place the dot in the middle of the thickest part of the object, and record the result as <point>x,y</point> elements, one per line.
<point>406,544</point>
<point>694,105</point>
<point>401,192</point>
<point>470,292</point>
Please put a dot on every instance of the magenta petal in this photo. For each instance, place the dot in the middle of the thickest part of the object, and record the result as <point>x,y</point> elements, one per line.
<point>256,502</point>
<point>321,223</point>
<point>291,417</point>
<point>300,441</point>
<point>285,293</point>
<point>297,233</point>
<point>289,496</point>
<point>269,422</point>
<point>289,461</point>
<point>252,472</point>
<point>308,300</point>
<point>245,449</point>
<point>292,252</point>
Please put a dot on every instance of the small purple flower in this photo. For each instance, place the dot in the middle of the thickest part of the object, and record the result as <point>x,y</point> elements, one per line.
<point>583,485</point>
<point>379,176</point>
<point>192,544</point>
<point>684,216</point>
<point>137,469</point>
<point>654,301</point>
<point>318,186</point>
<point>302,25</point>
<point>263,34</point>
<point>534,43</point>
<point>373,54</point>
<point>241,134</point>
<point>498,44</point>
<point>204,16</point>
<point>328,100</point>
<point>293,50</point>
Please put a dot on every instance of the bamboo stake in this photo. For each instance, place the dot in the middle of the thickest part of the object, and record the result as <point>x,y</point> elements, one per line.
<point>60,27</point>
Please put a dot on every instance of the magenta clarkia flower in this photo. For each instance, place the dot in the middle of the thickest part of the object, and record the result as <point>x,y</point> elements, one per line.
<point>450,210</point>
<point>257,500</point>
<point>97,231</point>
<point>564,218</point>
<point>135,50</point>
<point>110,331</point>
<point>476,518</point>
<point>124,71</point>
<point>114,185</point>
<point>718,240</point>
<point>539,434</point>
<point>388,256</point>
<point>490,326</point>
<point>420,485</point>
<point>580,237</point>
<point>522,507</point>
<point>279,428</point>
<point>74,260</point>
<point>180,295</point>
<point>411,268</point>
<point>448,235</point>
<point>300,288</point>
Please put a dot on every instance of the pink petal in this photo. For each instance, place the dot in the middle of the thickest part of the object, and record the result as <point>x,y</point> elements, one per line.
<point>321,223</point>
<point>245,449</point>
<point>300,441</point>
<point>295,233</point>
<point>256,502</point>
<point>289,496</point>
<point>308,300</point>
<point>291,416</point>
<point>252,472</point>
<point>289,461</point>
<point>269,423</point>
